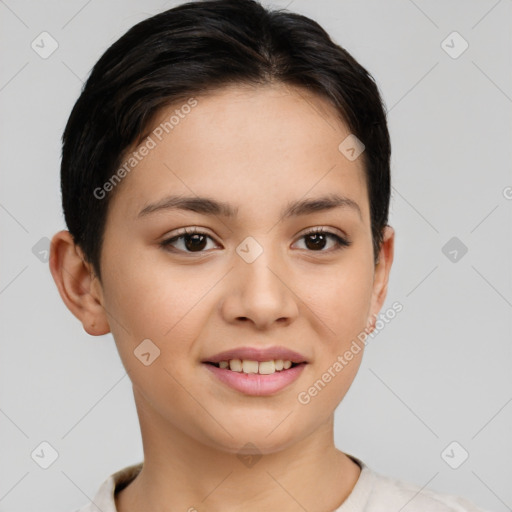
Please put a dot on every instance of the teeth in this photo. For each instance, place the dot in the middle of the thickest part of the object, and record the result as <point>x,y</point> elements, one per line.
<point>267,367</point>
<point>249,366</point>
<point>235,365</point>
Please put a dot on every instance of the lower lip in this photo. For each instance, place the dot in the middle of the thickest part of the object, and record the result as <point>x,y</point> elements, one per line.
<point>255,383</point>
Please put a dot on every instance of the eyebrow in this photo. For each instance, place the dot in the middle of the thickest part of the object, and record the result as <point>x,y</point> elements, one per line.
<point>207,206</point>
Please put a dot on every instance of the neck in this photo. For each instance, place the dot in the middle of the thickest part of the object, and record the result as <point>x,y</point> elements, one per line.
<point>182,473</point>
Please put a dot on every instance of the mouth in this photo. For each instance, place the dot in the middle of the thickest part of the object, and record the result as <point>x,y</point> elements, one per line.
<point>256,371</point>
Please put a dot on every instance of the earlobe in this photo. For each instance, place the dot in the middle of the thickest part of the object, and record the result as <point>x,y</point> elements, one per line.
<point>382,271</point>
<point>75,281</point>
<point>370,324</point>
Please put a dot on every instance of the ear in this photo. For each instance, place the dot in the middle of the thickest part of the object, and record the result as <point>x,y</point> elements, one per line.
<point>77,283</point>
<point>381,275</point>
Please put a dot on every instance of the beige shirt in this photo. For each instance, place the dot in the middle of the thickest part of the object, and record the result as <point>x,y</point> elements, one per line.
<point>373,492</point>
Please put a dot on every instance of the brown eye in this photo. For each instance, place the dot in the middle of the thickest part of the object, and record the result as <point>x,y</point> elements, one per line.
<point>317,240</point>
<point>191,241</point>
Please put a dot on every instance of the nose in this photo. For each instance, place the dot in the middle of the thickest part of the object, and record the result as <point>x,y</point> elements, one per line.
<point>260,292</point>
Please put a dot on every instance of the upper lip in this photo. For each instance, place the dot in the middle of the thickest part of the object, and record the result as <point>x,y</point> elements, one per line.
<point>257,354</point>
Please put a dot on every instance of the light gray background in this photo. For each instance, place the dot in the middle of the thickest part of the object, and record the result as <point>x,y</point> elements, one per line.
<point>439,372</point>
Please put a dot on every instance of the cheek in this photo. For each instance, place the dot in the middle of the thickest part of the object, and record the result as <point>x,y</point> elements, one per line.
<point>156,319</point>
<point>342,300</point>
<point>343,307</point>
<point>150,295</point>
<point>168,305</point>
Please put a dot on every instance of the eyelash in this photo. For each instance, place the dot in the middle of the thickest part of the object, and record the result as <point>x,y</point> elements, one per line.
<point>341,242</point>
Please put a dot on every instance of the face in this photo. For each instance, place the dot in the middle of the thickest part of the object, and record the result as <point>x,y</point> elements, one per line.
<point>255,278</point>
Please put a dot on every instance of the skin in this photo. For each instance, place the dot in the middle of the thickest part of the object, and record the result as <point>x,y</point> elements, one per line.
<point>257,149</point>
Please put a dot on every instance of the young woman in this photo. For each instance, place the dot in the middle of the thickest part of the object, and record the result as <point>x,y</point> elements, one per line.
<point>226,184</point>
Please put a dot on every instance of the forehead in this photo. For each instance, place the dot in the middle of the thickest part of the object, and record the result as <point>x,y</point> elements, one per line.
<point>242,144</point>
